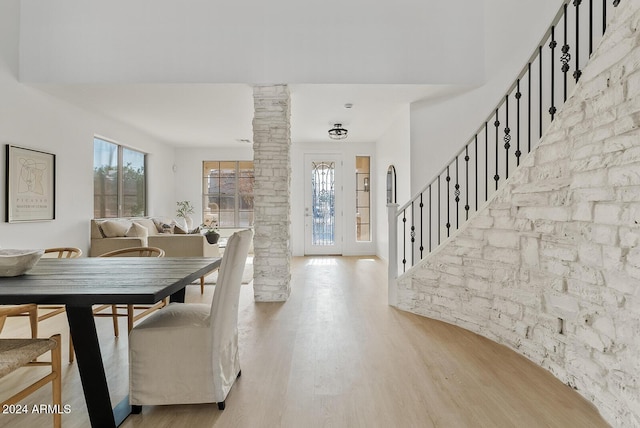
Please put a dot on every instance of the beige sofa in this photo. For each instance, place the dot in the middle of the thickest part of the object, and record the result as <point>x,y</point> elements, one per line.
<point>117,233</point>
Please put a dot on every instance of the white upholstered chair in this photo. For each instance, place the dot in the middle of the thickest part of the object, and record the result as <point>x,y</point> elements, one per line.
<point>188,353</point>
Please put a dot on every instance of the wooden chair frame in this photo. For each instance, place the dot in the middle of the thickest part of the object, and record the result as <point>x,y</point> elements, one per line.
<point>130,314</point>
<point>63,253</point>
<point>53,310</point>
<point>30,310</point>
<point>55,376</point>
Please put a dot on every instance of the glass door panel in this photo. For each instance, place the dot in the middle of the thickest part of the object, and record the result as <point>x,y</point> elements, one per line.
<point>323,214</point>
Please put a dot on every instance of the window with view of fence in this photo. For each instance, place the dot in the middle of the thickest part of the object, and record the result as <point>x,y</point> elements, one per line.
<point>227,193</point>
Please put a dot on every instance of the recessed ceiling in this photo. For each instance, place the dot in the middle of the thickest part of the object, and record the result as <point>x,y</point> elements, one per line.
<point>205,115</point>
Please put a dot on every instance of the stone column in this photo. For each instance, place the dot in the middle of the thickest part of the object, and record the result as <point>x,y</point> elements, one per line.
<point>272,194</point>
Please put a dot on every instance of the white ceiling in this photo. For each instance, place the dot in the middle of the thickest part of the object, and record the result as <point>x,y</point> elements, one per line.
<point>201,115</point>
<point>176,69</point>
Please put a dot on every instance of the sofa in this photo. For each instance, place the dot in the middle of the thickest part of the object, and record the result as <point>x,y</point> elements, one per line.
<point>110,234</point>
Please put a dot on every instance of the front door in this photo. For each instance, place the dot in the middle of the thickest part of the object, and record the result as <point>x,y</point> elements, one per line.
<point>323,210</point>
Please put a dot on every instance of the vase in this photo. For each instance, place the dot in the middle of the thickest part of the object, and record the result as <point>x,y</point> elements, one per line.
<point>212,237</point>
<point>188,222</point>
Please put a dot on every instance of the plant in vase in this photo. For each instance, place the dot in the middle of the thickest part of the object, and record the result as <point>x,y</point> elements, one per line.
<point>210,230</point>
<point>184,209</point>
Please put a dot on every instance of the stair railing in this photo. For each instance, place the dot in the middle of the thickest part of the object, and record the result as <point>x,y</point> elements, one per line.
<point>520,119</point>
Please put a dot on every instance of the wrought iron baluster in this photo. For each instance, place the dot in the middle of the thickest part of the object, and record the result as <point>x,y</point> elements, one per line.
<point>430,216</point>
<point>540,103</point>
<point>486,162</point>
<point>529,109</point>
<point>577,73</point>
<point>457,194</point>
<point>604,16</point>
<point>590,27</point>
<point>413,236</point>
<point>497,124</point>
<point>439,209</point>
<point>466,159</point>
<point>421,227</point>
<point>404,240</point>
<point>565,57</point>
<point>476,150</point>
<point>518,96</point>
<point>552,45</point>
<point>507,137</point>
<point>448,179</point>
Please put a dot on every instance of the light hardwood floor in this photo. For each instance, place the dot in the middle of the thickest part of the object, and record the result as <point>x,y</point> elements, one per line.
<point>336,355</point>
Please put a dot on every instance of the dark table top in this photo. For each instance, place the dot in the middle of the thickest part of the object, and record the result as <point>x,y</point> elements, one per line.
<point>94,280</point>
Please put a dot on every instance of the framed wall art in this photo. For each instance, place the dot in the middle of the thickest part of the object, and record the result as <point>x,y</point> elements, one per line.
<point>30,185</point>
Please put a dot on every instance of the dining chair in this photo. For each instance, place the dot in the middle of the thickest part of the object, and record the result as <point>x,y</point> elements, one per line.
<point>53,310</point>
<point>17,353</point>
<point>57,253</point>
<point>130,314</point>
<point>188,352</point>
<point>62,253</point>
<point>30,310</point>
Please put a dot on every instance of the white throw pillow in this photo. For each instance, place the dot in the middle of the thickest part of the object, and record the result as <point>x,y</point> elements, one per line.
<point>137,230</point>
<point>115,228</point>
<point>148,224</point>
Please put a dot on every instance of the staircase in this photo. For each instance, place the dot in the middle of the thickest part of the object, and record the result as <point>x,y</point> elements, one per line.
<point>508,134</point>
<point>529,236</point>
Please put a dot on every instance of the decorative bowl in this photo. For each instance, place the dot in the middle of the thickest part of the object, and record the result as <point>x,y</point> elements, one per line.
<point>18,262</point>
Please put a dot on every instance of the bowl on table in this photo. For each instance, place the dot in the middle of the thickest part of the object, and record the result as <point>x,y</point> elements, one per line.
<point>18,262</point>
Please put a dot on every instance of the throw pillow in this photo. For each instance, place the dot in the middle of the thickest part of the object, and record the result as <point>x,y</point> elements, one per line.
<point>178,230</point>
<point>195,231</point>
<point>163,225</point>
<point>137,230</point>
<point>158,222</point>
<point>115,228</point>
<point>148,224</point>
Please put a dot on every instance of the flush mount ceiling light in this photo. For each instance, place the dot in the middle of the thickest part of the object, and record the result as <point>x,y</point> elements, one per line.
<point>338,132</point>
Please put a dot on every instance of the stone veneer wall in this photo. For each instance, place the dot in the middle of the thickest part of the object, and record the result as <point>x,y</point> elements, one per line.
<point>550,266</point>
<point>271,157</point>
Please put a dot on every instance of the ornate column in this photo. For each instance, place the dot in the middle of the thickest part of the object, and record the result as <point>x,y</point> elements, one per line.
<point>272,194</point>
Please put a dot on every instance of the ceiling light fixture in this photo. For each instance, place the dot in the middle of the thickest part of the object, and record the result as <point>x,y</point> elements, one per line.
<point>338,132</point>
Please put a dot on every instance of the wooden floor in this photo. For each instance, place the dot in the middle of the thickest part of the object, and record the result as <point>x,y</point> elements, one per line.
<point>336,355</point>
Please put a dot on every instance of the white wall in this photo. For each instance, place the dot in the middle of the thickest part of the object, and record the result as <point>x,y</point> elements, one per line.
<point>167,41</point>
<point>439,128</point>
<point>392,148</point>
<point>33,119</point>
<point>348,153</point>
<point>188,172</point>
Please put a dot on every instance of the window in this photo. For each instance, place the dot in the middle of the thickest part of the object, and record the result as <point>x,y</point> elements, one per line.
<point>363,199</point>
<point>227,190</point>
<point>119,180</point>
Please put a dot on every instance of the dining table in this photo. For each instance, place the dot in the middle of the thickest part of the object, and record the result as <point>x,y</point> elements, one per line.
<point>80,283</point>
